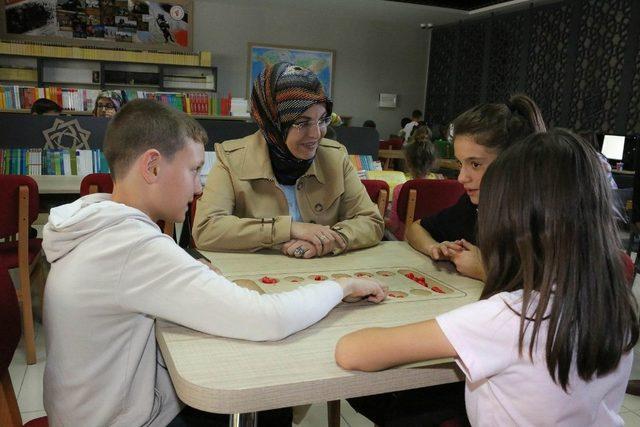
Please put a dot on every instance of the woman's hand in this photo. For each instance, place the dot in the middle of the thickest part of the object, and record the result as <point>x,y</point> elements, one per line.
<point>322,237</point>
<point>444,250</point>
<point>468,261</point>
<point>299,249</point>
<point>356,289</point>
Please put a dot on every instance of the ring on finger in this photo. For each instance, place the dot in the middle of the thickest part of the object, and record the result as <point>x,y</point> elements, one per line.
<point>299,251</point>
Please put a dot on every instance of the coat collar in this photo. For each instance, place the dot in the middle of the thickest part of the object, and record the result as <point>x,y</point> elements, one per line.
<point>256,163</point>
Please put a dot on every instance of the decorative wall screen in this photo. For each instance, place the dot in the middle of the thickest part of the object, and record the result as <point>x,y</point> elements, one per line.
<point>578,59</point>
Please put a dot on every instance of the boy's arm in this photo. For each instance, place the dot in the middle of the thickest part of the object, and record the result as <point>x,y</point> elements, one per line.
<point>160,280</point>
<point>374,349</point>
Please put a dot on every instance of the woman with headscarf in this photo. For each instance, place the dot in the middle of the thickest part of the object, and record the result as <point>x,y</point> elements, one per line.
<point>108,103</point>
<point>285,185</point>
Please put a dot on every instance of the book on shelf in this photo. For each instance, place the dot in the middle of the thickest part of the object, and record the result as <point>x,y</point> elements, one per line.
<point>23,97</point>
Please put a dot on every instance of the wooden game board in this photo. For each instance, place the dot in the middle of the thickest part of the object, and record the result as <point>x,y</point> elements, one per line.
<point>405,283</point>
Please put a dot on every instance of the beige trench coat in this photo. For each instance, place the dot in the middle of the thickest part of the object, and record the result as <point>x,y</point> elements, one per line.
<point>243,209</point>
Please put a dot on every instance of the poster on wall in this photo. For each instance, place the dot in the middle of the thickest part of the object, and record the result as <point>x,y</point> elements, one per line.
<point>132,24</point>
<point>320,61</point>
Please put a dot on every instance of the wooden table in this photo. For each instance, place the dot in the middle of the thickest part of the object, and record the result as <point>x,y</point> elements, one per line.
<point>233,376</point>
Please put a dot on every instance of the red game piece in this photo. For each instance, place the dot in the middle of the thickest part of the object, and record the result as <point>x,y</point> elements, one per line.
<point>437,289</point>
<point>268,280</point>
<point>317,277</point>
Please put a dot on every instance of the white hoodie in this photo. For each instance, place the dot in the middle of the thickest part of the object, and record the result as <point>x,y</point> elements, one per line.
<point>113,272</point>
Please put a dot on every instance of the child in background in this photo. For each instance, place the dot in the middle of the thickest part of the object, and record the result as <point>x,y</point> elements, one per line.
<point>550,341</point>
<point>44,106</point>
<point>420,156</point>
<point>480,134</point>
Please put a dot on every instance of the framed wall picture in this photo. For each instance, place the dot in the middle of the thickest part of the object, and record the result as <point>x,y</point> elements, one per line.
<point>320,61</point>
<point>130,24</point>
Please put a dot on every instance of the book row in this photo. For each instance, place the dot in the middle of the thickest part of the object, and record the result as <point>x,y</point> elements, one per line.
<point>64,162</point>
<point>36,161</point>
<point>13,97</point>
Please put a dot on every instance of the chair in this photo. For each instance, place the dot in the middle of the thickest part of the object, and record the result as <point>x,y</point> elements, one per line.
<point>19,209</point>
<point>420,198</point>
<point>102,183</point>
<point>390,144</point>
<point>96,183</point>
<point>378,191</point>
<point>9,338</point>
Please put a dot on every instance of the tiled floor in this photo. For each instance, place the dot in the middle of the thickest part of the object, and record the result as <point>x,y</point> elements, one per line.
<point>27,383</point>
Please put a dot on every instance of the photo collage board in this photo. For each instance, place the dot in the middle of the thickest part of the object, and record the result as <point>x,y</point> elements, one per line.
<point>144,24</point>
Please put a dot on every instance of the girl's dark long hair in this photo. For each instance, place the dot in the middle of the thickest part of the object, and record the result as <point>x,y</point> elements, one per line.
<point>545,226</point>
<point>499,125</point>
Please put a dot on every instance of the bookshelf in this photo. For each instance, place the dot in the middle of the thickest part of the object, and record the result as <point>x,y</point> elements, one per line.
<point>77,74</point>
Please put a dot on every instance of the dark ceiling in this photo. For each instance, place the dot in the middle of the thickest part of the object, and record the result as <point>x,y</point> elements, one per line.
<point>455,4</point>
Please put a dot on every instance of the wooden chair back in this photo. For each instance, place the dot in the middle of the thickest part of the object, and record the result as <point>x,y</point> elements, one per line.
<point>378,191</point>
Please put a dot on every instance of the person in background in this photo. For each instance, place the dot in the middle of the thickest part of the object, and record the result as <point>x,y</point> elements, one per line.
<point>369,124</point>
<point>480,135</point>
<point>420,156</point>
<point>550,342</point>
<point>286,186</point>
<point>108,103</point>
<point>416,117</point>
<point>403,123</point>
<point>44,106</point>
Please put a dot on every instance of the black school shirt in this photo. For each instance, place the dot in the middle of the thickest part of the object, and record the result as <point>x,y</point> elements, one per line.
<point>456,222</point>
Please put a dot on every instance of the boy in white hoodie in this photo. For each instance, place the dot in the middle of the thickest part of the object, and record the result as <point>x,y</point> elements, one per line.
<point>113,272</point>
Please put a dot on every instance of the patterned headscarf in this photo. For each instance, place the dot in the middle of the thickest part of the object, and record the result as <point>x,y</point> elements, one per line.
<point>281,93</point>
<point>112,95</point>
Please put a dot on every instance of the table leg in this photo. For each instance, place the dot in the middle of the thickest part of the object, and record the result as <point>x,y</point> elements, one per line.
<point>250,419</point>
<point>333,413</point>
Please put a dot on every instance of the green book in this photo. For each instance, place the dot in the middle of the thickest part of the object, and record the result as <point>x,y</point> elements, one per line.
<point>74,162</point>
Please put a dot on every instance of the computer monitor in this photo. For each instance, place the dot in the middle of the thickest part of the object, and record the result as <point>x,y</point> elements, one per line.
<point>613,147</point>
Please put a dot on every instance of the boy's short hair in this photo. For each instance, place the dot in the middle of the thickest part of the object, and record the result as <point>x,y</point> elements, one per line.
<point>143,124</point>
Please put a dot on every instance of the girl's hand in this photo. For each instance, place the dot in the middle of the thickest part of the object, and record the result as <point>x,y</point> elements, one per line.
<point>445,250</point>
<point>468,262</point>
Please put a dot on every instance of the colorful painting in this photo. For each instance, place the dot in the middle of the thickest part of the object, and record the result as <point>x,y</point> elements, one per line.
<point>144,24</point>
<point>319,61</point>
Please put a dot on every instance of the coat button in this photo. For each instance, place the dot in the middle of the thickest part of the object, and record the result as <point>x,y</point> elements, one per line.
<point>299,186</point>
<point>318,207</point>
<point>312,221</point>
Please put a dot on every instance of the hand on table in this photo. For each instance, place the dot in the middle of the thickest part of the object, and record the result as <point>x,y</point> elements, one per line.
<point>211,266</point>
<point>444,250</point>
<point>468,261</point>
<point>356,289</point>
<point>322,237</point>
<point>299,249</point>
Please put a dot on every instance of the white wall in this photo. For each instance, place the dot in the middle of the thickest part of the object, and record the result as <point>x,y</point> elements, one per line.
<point>379,47</point>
